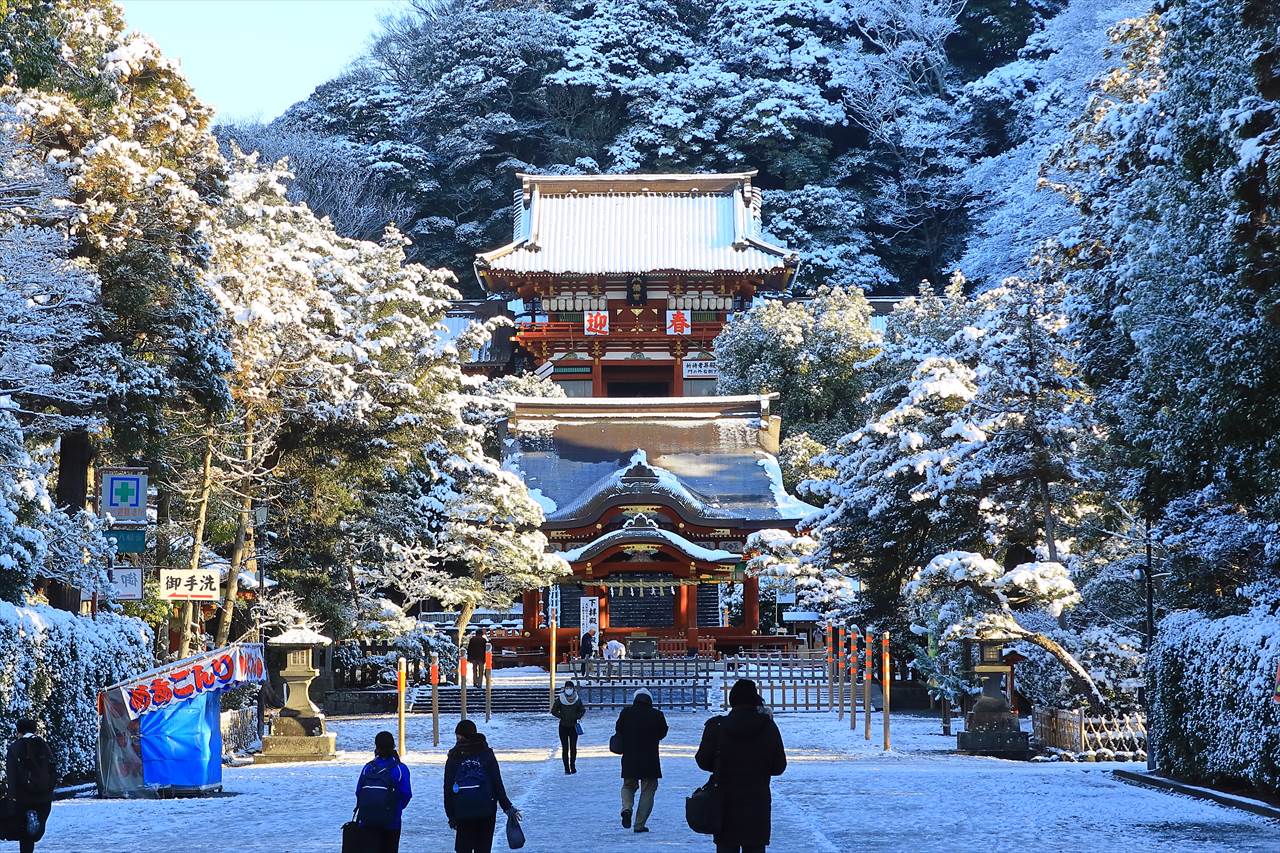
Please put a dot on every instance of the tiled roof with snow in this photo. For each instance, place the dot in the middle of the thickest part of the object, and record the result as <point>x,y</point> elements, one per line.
<point>701,456</point>
<point>620,224</point>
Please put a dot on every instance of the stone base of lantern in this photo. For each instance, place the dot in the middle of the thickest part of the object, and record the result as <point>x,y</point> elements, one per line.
<point>282,749</point>
<point>997,734</point>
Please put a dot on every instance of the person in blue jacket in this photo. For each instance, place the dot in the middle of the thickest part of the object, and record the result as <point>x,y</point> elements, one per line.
<point>382,792</point>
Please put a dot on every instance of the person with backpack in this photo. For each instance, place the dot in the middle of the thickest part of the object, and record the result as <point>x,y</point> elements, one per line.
<point>639,729</point>
<point>382,792</point>
<point>30,775</point>
<point>568,709</point>
<point>473,790</point>
<point>744,750</point>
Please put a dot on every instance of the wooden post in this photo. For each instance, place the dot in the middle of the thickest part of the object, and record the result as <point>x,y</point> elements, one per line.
<point>866,684</point>
<point>488,683</point>
<point>840,673</point>
<point>886,679</point>
<point>551,701</point>
<point>853,680</point>
<point>462,682</point>
<point>400,679</point>
<point>435,699</point>
<point>831,666</point>
<point>946,702</point>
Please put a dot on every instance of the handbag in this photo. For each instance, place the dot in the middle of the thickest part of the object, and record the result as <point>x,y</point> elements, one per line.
<point>12,821</point>
<point>577,729</point>
<point>515,835</point>
<point>704,808</point>
<point>615,744</point>
<point>357,838</point>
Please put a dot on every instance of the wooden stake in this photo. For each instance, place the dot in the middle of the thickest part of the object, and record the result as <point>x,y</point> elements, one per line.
<point>400,687</point>
<point>840,673</point>
<point>866,684</point>
<point>488,684</point>
<point>462,682</point>
<point>551,701</point>
<point>435,699</point>
<point>831,674</point>
<point>853,680</point>
<point>886,678</point>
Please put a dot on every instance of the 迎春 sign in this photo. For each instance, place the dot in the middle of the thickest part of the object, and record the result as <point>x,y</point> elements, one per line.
<point>124,494</point>
<point>188,585</point>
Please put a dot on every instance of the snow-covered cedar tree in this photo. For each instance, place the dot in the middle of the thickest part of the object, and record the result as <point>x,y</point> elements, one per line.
<point>815,354</point>
<point>488,402</point>
<point>277,612</point>
<point>1210,684</point>
<point>962,595</point>
<point>784,561</point>
<point>52,665</point>
<point>798,458</point>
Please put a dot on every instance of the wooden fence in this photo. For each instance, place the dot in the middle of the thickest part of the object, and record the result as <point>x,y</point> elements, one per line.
<point>674,683</point>
<point>239,729</point>
<point>1078,733</point>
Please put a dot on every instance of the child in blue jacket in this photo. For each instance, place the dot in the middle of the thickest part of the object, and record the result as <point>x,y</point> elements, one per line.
<point>384,773</point>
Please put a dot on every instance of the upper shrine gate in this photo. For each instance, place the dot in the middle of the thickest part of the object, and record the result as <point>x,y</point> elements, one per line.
<point>650,483</point>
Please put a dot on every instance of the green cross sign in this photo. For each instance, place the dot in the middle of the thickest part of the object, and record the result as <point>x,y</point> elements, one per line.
<point>124,492</point>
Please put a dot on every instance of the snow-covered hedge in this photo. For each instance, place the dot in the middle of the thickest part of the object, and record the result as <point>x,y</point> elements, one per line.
<point>1212,681</point>
<point>52,664</point>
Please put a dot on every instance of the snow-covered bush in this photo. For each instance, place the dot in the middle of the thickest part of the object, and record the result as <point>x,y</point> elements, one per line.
<point>1211,683</point>
<point>1112,658</point>
<point>52,665</point>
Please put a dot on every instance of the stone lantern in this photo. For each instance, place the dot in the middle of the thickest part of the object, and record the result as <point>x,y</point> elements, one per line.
<point>298,733</point>
<point>992,727</point>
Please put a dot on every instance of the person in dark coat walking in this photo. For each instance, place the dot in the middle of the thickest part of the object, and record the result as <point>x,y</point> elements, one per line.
<point>472,768</point>
<point>639,729</point>
<point>744,749</point>
<point>477,646</point>
<point>568,708</point>
<point>381,774</point>
<point>31,773</point>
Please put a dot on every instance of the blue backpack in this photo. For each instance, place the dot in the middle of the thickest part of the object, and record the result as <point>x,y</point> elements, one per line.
<point>378,801</point>
<point>473,793</point>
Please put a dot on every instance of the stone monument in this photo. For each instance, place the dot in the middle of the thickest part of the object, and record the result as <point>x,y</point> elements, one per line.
<point>298,733</point>
<point>992,727</point>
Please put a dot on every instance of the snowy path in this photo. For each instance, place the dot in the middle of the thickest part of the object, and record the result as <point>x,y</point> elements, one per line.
<point>838,794</point>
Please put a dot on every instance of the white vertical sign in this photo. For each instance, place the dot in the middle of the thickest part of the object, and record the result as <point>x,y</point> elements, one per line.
<point>588,612</point>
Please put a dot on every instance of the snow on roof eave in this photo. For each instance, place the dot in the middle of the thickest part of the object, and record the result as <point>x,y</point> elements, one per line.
<point>641,402</point>
<point>647,536</point>
<point>702,181</point>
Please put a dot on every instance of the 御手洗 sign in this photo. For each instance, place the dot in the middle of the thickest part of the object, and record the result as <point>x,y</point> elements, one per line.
<point>129,540</point>
<point>678,323</point>
<point>188,585</point>
<point>126,585</point>
<point>595,322</point>
<point>704,369</point>
<point>220,669</point>
<point>124,494</point>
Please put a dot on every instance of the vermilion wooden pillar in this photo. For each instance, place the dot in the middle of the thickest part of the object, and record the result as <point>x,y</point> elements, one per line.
<point>531,601</point>
<point>682,611</point>
<point>690,594</point>
<point>677,379</point>
<point>597,379</point>
<point>751,604</point>
<point>603,593</point>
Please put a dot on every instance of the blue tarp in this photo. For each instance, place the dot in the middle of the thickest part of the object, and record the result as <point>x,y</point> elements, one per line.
<point>182,744</point>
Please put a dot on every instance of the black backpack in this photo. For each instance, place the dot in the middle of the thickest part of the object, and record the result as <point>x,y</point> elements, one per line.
<point>473,792</point>
<point>35,777</point>
<point>378,801</point>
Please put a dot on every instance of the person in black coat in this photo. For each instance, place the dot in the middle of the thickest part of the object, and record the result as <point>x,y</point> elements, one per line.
<point>744,749</point>
<point>639,729</point>
<point>31,773</point>
<point>587,647</point>
<point>568,709</point>
<point>474,835</point>
<point>477,647</point>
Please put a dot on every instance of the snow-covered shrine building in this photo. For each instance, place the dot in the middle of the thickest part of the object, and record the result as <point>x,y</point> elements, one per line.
<point>650,484</point>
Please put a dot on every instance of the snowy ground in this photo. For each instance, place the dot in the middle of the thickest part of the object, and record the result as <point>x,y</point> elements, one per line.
<point>839,794</point>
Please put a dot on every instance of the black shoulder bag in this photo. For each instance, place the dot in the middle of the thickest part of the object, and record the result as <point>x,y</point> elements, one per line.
<point>704,808</point>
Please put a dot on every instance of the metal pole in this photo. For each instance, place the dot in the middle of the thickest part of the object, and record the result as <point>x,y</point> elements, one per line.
<point>488,683</point>
<point>462,682</point>
<point>435,699</point>
<point>400,685</point>
<point>866,684</point>
<point>551,701</point>
<point>886,678</point>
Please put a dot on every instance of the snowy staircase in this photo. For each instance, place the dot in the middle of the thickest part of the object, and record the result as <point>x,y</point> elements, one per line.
<point>513,699</point>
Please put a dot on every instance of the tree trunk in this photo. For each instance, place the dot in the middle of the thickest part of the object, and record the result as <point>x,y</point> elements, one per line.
<point>164,508</point>
<point>1084,683</point>
<point>238,551</point>
<point>1050,521</point>
<point>75,456</point>
<point>197,534</point>
<point>464,617</point>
